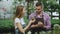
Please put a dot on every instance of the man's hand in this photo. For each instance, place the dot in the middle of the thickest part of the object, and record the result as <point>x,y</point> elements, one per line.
<point>44,27</point>
<point>40,24</point>
<point>32,26</point>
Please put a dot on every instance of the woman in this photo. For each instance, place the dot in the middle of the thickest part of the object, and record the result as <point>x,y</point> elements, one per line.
<point>19,21</point>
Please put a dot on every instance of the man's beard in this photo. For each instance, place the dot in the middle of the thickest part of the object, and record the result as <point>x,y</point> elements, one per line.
<point>39,12</point>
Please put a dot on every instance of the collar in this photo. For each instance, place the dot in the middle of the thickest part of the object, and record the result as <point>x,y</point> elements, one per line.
<point>41,13</point>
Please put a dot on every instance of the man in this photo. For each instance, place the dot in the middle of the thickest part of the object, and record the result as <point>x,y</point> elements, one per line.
<point>42,19</point>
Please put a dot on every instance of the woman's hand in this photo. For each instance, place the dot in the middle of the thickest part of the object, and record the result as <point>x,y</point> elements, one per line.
<point>32,20</point>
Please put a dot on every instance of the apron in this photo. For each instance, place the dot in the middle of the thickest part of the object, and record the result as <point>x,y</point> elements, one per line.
<point>36,22</point>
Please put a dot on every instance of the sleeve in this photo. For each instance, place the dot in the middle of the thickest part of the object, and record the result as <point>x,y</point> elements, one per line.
<point>17,20</point>
<point>48,26</point>
<point>29,17</point>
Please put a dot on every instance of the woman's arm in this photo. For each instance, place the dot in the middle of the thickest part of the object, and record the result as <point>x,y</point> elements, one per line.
<point>20,27</point>
<point>27,26</point>
<point>30,22</point>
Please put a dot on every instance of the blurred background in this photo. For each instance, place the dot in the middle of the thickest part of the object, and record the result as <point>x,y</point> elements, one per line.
<point>8,8</point>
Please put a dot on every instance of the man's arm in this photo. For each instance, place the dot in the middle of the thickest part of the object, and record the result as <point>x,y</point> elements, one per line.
<point>48,26</point>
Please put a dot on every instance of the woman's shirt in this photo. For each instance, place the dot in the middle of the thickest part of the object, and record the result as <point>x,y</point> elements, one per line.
<point>19,20</point>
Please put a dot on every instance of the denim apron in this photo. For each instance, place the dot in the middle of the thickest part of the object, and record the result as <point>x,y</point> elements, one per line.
<point>36,22</point>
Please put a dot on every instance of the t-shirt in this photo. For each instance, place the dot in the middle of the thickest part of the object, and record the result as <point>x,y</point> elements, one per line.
<point>19,20</point>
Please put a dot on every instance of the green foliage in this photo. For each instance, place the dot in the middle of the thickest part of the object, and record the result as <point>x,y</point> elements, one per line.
<point>55,21</point>
<point>20,0</point>
<point>6,23</point>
